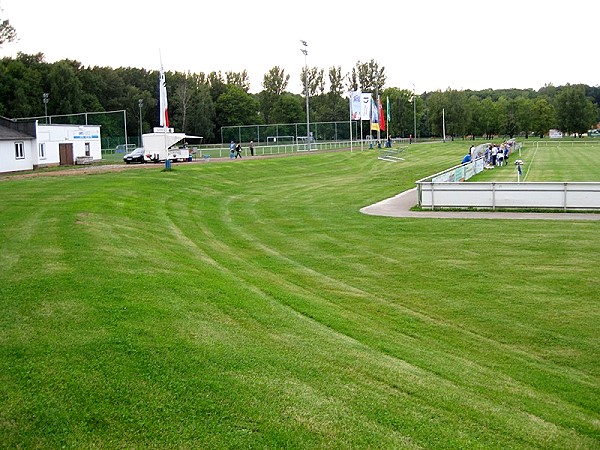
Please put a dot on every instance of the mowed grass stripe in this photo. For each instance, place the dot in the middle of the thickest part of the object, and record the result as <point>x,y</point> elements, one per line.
<point>238,232</point>
<point>252,305</point>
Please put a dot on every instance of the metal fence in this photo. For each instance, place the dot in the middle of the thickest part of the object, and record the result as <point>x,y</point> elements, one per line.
<point>262,150</point>
<point>321,131</point>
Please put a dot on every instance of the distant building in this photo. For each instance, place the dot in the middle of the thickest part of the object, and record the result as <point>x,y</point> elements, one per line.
<point>29,145</point>
<point>555,134</point>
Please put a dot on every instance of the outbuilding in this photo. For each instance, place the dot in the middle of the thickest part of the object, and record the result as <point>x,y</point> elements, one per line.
<point>27,146</point>
<point>17,145</point>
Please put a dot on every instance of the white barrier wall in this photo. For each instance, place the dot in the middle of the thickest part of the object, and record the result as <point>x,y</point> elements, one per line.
<point>551,195</point>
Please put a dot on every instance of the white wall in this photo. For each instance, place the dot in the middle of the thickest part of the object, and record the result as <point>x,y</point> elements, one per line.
<point>54,134</point>
<point>8,161</point>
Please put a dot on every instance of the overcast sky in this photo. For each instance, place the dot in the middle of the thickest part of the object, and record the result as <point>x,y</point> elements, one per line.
<point>431,44</point>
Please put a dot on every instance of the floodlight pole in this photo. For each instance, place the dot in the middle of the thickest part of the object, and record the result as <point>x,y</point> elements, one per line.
<point>45,97</point>
<point>140,104</point>
<point>414,112</point>
<point>305,51</point>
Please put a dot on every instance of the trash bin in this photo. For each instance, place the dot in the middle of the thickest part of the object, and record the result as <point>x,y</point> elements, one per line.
<point>167,164</point>
<point>190,158</point>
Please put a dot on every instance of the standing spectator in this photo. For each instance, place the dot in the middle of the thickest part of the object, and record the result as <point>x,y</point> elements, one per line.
<point>238,150</point>
<point>251,148</point>
<point>500,157</point>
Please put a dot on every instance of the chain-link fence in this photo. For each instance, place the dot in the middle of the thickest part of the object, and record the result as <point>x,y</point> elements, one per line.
<point>265,134</point>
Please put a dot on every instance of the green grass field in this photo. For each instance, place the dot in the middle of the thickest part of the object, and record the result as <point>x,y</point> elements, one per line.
<point>550,160</point>
<point>249,304</point>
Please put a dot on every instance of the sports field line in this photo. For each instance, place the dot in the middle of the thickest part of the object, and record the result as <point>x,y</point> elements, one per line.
<point>530,163</point>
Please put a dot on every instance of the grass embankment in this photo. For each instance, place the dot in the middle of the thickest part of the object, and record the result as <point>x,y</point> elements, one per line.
<point>249,304</point>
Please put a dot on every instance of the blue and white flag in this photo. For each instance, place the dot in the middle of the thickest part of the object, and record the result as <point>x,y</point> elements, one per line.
<point>355,107</point>
<point>366,99</point>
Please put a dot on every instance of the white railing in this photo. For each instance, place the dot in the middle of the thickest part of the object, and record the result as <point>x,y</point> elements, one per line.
<point>494,195</point>
<point>224,152</point>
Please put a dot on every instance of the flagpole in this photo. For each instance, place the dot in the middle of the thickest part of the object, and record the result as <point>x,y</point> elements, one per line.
<point>388,117</point>
<point>163,111</point>
<point>444,123</point>
<point>350,121</point>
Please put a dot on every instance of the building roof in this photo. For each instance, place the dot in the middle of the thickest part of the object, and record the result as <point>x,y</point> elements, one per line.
<point>11,130</point>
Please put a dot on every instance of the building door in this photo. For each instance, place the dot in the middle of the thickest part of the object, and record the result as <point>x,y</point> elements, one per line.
<point>66,154</point>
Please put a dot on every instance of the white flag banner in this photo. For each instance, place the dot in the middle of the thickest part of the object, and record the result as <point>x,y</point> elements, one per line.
<point>355,108</point>
<point>163,104</point>
<point>365,103</point>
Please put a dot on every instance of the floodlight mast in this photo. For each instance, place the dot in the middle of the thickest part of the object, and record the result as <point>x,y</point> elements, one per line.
<point>45,97</point>
<point>305,51</point>
<point>414,113</point>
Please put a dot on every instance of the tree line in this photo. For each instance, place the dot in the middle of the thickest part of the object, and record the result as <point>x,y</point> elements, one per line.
<point>201,103</point>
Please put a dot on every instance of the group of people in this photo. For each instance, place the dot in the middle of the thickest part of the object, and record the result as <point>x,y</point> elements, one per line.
<point>494,155</point>
<point>235,149</point>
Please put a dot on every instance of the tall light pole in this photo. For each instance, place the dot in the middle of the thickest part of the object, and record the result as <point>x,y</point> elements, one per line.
<point>140,104</point>
<point>305,51</point>
<point>415,111</point>
<point>45,98</point>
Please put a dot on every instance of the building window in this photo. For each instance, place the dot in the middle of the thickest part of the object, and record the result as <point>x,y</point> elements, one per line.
<point>42,153</point>
<point>19,150</point>
<point>88,152</point>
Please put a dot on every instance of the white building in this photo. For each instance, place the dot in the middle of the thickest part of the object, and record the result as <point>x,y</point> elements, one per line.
<point>26,146</point>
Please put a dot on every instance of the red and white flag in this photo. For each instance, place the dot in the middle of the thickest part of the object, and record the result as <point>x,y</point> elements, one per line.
<point>381,118</point>
<point>163,104</point>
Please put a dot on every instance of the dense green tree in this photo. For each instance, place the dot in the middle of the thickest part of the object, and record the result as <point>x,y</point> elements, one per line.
<point>66,90</point>
<point>289,108</point>
<point>371,77</point>
<point>523,118</point>
<point>507,118</point>
<point>182,89</point>
<point>543,116</point>
<point>202,112</point>
<point>475,126</point>
<point>488,117</point>
<point>332,106</point>
<point>240,79</point>
<point>275,82</point>
<point>217,85</point>
<point>7,32</point>
<point>21,89</point>
<point>575,113</point>
<point>236,107</point>
<point>336,81</point>
<point>458,113</point>
<point>193,98</point>
<point>353,81</point>
<point>107,86</point>
<point>435,104</point>
<point>402,111</point>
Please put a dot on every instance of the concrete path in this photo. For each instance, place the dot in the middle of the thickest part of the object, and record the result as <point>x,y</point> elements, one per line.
<point>399,206</point>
